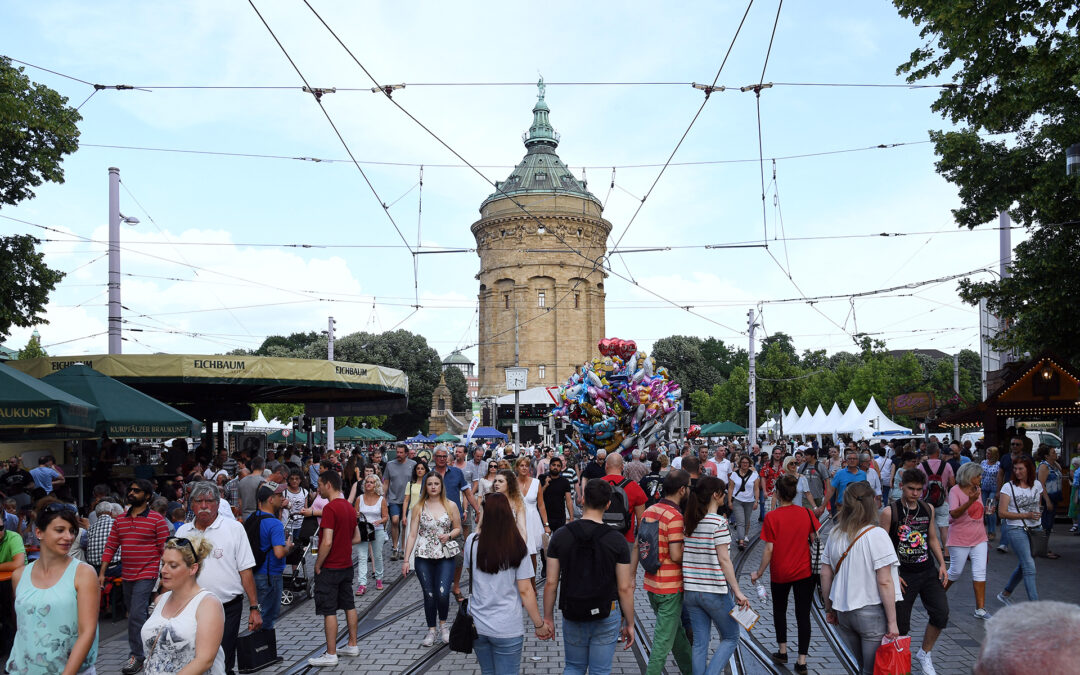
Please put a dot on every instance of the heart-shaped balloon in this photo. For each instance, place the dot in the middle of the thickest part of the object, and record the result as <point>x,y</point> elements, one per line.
<point>605,347</point>
<point>625,349</point>
<point>693,431</point>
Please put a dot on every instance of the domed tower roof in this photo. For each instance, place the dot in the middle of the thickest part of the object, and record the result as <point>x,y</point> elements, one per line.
<point>457,358</point>
<point>541,171</point>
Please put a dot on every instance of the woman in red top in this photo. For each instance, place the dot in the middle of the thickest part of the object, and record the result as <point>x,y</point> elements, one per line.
<point>787,555</point>
<point>770,472</point>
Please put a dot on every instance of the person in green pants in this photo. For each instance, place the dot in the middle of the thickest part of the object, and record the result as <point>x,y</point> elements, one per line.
<point>665,586</point>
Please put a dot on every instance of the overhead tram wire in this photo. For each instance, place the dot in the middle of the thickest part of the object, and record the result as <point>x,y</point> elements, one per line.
<point>708,91</point>
<point>180,255</point>
<point>317,95</point>
<point>431,165</point>
<point>597,83</point>
<point>595,263</point>
<point>757,102</point>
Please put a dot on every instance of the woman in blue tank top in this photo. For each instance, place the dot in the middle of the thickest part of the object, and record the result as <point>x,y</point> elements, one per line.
<point>56,602</point>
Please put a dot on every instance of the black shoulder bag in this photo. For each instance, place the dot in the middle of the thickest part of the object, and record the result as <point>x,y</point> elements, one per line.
<point>463,630</point>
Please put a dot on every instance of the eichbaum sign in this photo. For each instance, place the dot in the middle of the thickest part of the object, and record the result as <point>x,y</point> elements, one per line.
<point>916,403</point>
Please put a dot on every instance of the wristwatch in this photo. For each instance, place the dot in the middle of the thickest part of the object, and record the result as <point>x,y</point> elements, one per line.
<point>255,608</point>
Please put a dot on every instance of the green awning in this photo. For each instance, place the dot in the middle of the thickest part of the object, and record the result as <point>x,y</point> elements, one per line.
<point>348,434</point>
<point>123,412</point>
<point>725,428</point>
<point>296,437</point>
<point>381,435</point>
<point>30,408</point>
<point>446,438</point>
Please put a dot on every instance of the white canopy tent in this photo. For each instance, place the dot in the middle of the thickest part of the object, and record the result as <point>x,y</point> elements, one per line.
<point>802,424</point>
<point>817,423</point>
<point>790,419</point>
<point>881,423</point>
<point>850,419</point>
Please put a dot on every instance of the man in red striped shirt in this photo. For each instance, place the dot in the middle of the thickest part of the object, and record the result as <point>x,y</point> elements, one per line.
<point>665,586</point>
<point>141,532</point>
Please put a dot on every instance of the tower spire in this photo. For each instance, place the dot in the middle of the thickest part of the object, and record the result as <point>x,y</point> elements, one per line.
<point>541,132</point>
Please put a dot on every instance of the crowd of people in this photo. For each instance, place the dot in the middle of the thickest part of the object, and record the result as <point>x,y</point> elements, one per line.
<point>183,555</point>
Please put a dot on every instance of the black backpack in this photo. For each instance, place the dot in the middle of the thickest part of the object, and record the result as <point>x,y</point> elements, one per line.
<point>588,576</point>
<point>651,485</point>
<point>648,545</point>
<point>252,526</point>
<point>617,514</point>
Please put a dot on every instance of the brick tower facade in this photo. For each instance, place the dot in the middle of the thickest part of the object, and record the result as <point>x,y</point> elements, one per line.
<point>541,241</point>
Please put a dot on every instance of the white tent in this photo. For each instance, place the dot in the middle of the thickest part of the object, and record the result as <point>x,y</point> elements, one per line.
<point>817,423</point>
<point>802,424</point>
<point>832,421</point>
<point>850,421</point>
<point>260,423</point>
<point>880,421</point>
<point>790,419</point>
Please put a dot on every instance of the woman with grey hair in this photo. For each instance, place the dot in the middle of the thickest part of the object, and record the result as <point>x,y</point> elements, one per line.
<point>967,533</point>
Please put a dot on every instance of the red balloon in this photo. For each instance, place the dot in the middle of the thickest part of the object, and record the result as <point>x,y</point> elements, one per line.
<point>626,348</point>
<point>693,431</point>
<point>604,345</point>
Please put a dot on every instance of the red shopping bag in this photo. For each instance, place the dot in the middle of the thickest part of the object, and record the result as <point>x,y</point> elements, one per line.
<point>893,657</point>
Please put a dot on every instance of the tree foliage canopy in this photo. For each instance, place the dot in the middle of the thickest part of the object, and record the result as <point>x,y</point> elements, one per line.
<point>25,283</point>
<point>787,380</point>
<point>398,349</point>
<point>1015,67</point>
<point>37,128</point>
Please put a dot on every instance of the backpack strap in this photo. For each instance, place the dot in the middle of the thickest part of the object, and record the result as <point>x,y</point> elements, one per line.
<point>623,483</point>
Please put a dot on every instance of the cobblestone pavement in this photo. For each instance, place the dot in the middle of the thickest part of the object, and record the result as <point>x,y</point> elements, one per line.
<point>394,648</point>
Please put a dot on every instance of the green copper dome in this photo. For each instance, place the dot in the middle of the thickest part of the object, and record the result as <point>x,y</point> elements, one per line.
<point>541,171</point>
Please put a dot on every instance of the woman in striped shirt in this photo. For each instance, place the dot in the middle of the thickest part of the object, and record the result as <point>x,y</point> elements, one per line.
<point>710,589</point>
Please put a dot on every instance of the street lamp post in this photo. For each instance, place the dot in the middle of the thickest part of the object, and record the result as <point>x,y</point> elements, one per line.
<point>115,218</point>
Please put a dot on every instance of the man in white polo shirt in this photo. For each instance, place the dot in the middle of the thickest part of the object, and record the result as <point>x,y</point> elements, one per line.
<point>227,571</point>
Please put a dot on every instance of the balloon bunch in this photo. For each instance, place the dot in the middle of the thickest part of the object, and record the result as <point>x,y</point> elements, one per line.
<point>620,401</point>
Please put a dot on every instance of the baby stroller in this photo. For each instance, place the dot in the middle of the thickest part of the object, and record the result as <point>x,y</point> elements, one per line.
<point>295,578</point>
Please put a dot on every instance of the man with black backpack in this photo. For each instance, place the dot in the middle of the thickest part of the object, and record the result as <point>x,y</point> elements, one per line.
<point>627,504</point>
<point>910,522</point>
<point>939,480</point>
<point>266,536</point>
<point>817,477</point>
<point>599,562</point>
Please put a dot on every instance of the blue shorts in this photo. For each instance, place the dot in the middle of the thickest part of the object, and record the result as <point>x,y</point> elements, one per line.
<point>394,509</point>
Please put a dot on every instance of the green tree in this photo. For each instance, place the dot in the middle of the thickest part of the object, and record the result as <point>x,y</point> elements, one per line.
<point>25,282</point>
<point>37,128</point>
<point>459,388</point>
<point>683,358</point>
<point>292,345</point>
<point>722,358</point>
<point>1015,67</point>
<point>33,349</point>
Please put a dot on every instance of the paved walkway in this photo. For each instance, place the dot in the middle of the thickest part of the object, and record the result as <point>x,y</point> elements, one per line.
<point>395,647</point>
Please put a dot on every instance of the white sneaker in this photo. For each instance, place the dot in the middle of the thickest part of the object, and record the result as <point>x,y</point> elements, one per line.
<point>349,650</point>
<point>982,614</point>
<point>926,662</point>
<point>445,634</point>
<point>429,639</point>
<point>324,660</point>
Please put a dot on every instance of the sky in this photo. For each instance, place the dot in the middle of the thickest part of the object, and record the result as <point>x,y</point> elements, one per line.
<point>230,248</point>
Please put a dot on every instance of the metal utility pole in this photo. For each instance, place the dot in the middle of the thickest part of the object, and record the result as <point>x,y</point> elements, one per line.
<point>752,428</point>
<point>517,394</point>
<point>956,388</point>
<point>114,260</point>
<point>330,357</point>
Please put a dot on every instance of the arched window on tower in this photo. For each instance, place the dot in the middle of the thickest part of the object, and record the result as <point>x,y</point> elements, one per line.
<point>541,299</point>
<point>577,300</point>
<point>442,404</point>
<point>506,301</point>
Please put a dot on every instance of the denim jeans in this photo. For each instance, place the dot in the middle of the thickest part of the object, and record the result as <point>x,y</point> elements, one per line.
<point>991,518</point>
<point>669,637</point>
<point>706,610</point>
<point>360,555</point>
<point>137,598</point>
<point>590,645</point>
<point>1019,544</point>
<point>435,576</point>
<point>1048,514</point>
<point>861,630</point>
<point>496,655</point>
<point>268,589</point>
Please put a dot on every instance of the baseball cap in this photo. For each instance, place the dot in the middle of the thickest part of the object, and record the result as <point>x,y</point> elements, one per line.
<point>269,489</point>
